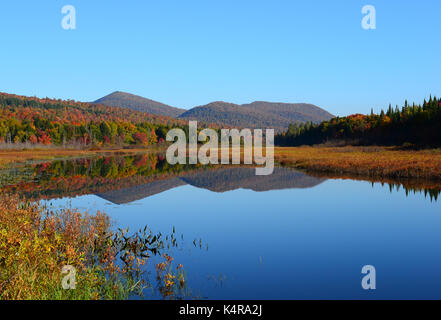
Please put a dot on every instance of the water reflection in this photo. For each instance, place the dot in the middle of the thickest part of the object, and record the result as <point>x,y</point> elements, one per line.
<point>271,237</point>
<point>219,180</point>
<point>124,179</point>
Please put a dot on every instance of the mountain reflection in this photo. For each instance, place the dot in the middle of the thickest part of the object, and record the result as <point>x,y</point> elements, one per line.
<point>217,180</point>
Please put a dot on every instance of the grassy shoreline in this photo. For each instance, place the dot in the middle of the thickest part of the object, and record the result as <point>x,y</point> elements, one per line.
<point>370,162</point>
<point>11,156</point>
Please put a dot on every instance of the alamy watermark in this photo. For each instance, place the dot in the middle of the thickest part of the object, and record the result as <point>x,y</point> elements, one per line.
<point>69,20</point>
<point>208,153</point>
<point>369,281</point>
<point>369,21</point>
<point>69,281</point>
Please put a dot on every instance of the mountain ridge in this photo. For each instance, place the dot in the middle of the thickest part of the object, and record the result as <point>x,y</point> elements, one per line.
<point>257,114</point>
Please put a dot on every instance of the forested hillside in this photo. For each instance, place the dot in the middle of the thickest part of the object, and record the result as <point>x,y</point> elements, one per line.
<point>412,124</point>
<point>48,121</point>
<point>259,114</point>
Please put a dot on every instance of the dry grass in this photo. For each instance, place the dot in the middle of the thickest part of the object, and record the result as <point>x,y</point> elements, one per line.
<point>365,161</point>
<point>9,156</point>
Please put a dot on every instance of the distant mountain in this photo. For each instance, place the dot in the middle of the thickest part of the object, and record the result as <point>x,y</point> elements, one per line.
<point>137,103</point>
<point>258,114</point>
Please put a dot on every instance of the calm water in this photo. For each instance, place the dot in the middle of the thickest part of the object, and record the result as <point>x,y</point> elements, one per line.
<point>286,236</point>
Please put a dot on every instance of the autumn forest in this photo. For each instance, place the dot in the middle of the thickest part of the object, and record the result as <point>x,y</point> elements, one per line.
<point>57,122</point>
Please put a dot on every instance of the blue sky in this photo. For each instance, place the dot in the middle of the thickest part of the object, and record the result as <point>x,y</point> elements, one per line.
<point>188,53</point>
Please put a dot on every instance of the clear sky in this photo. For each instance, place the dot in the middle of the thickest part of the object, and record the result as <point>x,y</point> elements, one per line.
<point>188,53</point>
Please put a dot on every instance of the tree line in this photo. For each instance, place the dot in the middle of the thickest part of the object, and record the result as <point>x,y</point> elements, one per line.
<point>411,124</point>
<point>59,122</point>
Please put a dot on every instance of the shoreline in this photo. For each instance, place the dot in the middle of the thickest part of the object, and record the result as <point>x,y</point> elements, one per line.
<point>368,162</point>
<point>20,156</point>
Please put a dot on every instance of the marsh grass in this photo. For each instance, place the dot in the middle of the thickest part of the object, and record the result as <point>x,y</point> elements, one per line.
<point>373,162</point>
<point>35,244</point>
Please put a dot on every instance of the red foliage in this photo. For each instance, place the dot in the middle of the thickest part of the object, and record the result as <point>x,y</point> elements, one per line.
<point>43,137</point>
<point>140,137</point>
<point>142,161</point>
<point>357,116</point>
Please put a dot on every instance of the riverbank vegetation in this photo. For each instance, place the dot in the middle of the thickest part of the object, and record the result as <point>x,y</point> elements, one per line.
<point>36,243</point>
